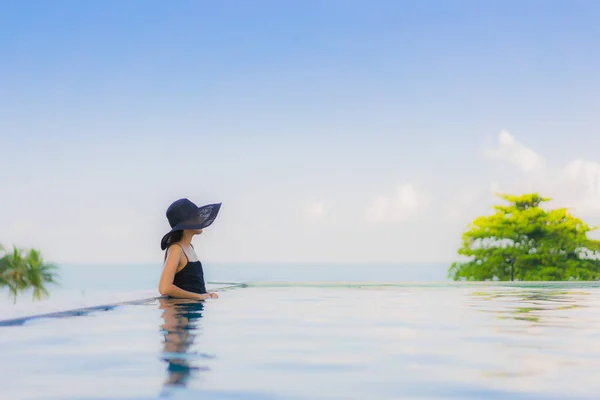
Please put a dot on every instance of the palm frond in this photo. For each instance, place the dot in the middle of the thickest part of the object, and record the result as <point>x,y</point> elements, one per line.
<point>19,271</point>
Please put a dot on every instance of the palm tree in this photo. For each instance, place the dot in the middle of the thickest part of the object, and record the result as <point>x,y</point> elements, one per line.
<point>12,267</point>
<point>39,273</point>
<point>3,279</point>
<point>19,272</point>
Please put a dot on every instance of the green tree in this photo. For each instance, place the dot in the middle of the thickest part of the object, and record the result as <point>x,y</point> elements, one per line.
<point>20,271</point>
<point>525,242</point>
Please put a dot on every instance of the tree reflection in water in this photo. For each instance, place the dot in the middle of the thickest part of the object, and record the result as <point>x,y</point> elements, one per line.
<point>180,328</point>
<point>532,305</point>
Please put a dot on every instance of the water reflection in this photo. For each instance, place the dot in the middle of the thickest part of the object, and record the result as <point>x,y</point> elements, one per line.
<point>533,305</point>
<point>180,328</point>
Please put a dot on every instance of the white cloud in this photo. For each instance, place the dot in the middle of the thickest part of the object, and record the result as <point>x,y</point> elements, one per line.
<point>575,185</point>
<point>396,208</point>
<point>515,152</point>
<point>406,202</point>
<point>316,210</point>
<point>579,187</point>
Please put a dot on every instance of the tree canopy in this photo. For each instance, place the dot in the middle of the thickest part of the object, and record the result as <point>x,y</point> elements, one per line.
<point>21,271</point>
<point>522,241</point>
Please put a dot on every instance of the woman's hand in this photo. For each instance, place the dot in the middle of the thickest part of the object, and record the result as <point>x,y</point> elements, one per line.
<point>205,296</point>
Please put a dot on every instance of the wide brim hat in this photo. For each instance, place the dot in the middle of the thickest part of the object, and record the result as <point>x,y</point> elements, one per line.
<point>183,214</point>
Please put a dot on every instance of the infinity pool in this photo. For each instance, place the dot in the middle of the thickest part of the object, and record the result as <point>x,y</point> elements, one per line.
<point>318,342</point>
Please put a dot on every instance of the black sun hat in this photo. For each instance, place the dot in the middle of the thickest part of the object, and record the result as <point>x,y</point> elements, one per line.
<point>183,214</point>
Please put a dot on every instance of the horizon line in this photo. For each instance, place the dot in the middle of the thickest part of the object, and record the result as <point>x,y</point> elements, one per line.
<point>254,262</point>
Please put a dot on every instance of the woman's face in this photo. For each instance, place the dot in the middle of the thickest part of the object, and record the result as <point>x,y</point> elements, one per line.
<point>197,231</point>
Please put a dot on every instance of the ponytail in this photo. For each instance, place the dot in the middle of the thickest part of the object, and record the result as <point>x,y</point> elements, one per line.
<point>173,238</point>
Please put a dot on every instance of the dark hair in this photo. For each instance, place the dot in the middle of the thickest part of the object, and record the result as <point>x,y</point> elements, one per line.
<point>174,237</point>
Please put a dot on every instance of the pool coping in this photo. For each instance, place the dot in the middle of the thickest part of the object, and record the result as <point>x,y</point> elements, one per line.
<point>76,312</point>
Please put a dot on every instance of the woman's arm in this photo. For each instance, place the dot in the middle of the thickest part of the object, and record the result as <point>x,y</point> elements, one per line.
<point>166,286</point>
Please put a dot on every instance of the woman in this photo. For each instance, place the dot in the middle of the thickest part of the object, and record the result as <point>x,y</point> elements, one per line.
<point>182,275</point>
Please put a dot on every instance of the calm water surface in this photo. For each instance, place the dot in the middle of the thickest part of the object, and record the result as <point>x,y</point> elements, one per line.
<point>88,285</point>
<point>319,342</point>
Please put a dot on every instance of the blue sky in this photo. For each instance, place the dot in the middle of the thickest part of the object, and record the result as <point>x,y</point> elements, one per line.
<point>330,130</point>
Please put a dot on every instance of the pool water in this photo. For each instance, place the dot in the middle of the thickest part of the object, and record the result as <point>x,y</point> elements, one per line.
<point>330,341</point>
<point>89,285</point>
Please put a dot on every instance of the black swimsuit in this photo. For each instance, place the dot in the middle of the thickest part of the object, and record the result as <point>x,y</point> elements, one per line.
<point>191,276</point>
